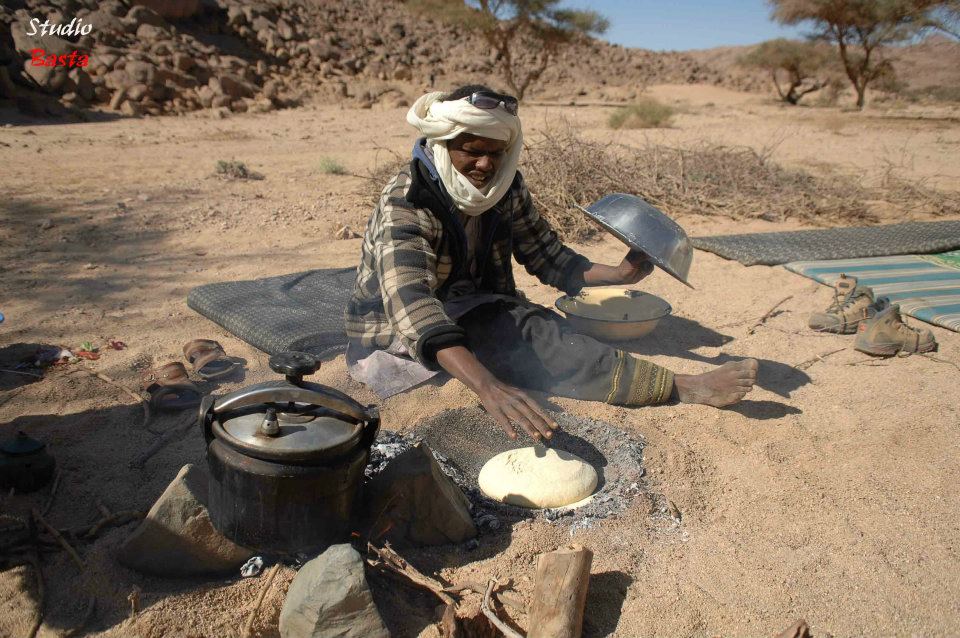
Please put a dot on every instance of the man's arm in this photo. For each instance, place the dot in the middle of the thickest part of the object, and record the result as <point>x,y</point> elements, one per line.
<point>540,251</point>
<point>405,264</point>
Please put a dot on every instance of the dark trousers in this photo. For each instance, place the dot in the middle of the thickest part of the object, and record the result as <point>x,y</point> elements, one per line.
<point>529,346</point>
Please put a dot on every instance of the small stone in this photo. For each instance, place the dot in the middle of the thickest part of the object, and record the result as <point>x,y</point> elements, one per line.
<point>46,224</point>
<point>130,109</point>
<point>329,598</point>
<point>177,538</point>
<point>149,32</point>
<point>118,97</point>
<point>90,266</point>
<point>345,232</point>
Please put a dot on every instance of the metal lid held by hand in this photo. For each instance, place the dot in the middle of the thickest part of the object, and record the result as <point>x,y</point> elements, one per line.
<point>647,229</point>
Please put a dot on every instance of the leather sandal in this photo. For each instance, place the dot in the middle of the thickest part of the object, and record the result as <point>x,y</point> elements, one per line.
<point>208,358</point>
<point>170,389</point>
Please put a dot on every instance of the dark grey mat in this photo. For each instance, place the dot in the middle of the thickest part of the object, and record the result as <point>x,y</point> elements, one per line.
<point>302,311</point>
<point>910,238</point>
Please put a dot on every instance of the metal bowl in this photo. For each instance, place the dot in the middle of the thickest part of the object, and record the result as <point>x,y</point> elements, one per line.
<point>613,314</point>
<point>644,228</point>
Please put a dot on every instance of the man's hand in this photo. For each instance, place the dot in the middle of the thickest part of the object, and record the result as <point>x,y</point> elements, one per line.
<point>634,267</point>
<point>510,406</point>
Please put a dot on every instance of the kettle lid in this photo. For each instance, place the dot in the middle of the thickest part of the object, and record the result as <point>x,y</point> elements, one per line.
<point>289,420</point>
<point>305,433</point>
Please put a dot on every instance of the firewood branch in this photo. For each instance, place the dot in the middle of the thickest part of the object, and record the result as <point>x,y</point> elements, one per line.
<point>385,558</point>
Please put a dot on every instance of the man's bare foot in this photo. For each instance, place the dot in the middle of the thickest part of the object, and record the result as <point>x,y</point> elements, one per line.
<point>721,387</point>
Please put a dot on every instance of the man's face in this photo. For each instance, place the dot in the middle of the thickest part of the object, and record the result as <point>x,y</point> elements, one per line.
<point>476,158</point>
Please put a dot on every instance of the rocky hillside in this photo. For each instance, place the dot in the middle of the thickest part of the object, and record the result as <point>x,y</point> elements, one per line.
<point>174,56</point>
<point>164,57</point>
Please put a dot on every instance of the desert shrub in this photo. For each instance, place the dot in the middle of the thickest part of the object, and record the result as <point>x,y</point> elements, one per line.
<point>646,113</point>
<point>235,170</point>
<point>936,93</point>
<point>563,170</point>
<point>330,166</point>
<point>803,66</point>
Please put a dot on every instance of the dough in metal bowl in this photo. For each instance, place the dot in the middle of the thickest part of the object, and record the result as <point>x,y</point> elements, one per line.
<point>537,477</point>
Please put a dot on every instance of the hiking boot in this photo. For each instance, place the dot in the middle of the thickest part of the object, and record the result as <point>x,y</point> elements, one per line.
<point>851,305</point>
<point>886,334</point>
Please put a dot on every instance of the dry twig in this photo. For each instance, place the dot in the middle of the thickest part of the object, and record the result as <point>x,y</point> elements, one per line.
<point>390,560</point>
<point>52,495</point>
<point>162,442</point>
<point>927,355</point>
<point>803,365</point>
<point>25,374</point>
<point>117,518</point>
<point>247,631</point>
<point>491,616</point>
<point>762,320</point>
<point>500,596</point>
<point>120,386</point>
<point>58,537</point>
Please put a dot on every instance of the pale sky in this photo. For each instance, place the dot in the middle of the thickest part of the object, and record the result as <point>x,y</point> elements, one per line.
<point>665,25</point>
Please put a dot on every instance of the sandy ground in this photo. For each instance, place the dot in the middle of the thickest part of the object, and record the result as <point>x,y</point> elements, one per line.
<point>830,494</point>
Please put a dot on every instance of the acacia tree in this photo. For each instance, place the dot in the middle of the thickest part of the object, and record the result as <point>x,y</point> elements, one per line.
<point>527,34</point>
<point>861,29</point>
<point>802,63</point>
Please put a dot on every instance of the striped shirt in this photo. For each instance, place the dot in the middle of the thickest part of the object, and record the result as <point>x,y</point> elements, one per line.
<point>414,248</point>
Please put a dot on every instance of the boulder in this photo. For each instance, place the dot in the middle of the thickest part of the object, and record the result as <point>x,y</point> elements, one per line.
<point>416,503</point>
<point>183,62</point>
<point>231,85</point>
<point>286,30</point>
<point>172,9</point>
<point>177,538</point>
<point>48,78</point>
<point>137,92</point>
<point>235,16</point>
<point>329,598</point>
<point>142,72</point>
<point>149,33</point>
<point>206,95</point>
<point>83,83</point>
<point>145,15</point>
<point>51,44</point>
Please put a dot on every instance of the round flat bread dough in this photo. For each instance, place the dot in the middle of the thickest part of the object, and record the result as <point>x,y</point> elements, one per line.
<point>537,477</point>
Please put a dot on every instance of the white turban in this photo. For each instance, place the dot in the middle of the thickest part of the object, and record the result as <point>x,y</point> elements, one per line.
<point>441,121</point>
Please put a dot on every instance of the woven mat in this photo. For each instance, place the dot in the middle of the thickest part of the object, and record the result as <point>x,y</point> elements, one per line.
<point>927,287</point>
<point>769,249</point>
<point>302,311</point>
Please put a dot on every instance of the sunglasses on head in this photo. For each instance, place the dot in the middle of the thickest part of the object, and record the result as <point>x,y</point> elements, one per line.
<point>488,101</point>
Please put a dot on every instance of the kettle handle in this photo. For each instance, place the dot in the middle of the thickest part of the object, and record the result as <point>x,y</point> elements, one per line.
<point>206,417</point>
<point>370,427</point>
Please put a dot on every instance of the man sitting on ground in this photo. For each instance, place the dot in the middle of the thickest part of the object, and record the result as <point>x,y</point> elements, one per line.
<point>435,286</point>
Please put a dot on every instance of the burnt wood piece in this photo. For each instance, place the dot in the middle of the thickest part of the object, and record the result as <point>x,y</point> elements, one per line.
<point>560,593</point>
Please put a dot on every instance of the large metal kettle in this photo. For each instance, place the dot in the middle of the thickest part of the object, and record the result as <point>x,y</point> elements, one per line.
<point>286,460</point>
